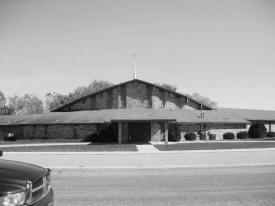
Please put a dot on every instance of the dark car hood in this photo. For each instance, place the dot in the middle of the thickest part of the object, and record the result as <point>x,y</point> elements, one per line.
<point>8,186</point>
<point>13,173</point>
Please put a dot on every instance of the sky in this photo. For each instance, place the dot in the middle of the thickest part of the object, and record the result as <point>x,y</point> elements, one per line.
<point>224,50</point>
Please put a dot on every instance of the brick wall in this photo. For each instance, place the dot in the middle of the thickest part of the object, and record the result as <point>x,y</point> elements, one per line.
<point>186,128</point>
<point>78,131</point>
<point>156,100</point>
<point>170,101</point>
<point>39,131</point>
<point>116,98</point>
<point>28,132</point>
<point>156,133</point>
<point>60,131</point>
<point>133,95</point>
<point>83,130</point>
<point>218,129</point>
<point>123,132</point>
<point>101,100</point>
<point>83,104</point>
<point>136,95</point>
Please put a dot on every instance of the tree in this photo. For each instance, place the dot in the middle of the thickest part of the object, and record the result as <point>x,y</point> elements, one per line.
<point>200,98</point>
<point>55,100</point>
<point>2,100</point>
<point>94,86</point>
<point>204,100</point>
<point>13,104</point>
<point>27,104</point>
<point>169,87</point>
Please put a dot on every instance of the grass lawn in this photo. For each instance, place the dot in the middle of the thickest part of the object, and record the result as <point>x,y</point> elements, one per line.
<point>39,141</point>
<point>73,148</point>
<point>215,145</point>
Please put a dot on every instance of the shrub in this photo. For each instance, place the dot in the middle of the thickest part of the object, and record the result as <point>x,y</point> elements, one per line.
<point>190,136</point>
<point>228,135</point>
<point>91,138</point>
<point>257,131</point>
<point>242,135</point>
<point>202,135</point>
<point>211,136</point>
<point>105,133</point>
<point>173,133</point>
<point>270,134</point>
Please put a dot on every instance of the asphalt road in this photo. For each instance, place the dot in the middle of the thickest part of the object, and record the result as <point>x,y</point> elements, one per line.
<point>186,186</point>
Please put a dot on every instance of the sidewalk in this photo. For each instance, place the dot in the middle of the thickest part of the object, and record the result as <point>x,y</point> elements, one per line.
<point>140,148</point>
<point>146,148</point>
<point>176,159</point>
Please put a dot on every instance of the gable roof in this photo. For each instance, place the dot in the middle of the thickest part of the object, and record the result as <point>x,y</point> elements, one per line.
<point>128,82</point>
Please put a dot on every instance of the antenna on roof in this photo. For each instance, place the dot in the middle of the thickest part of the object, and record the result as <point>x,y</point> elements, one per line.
<point>135,67</point>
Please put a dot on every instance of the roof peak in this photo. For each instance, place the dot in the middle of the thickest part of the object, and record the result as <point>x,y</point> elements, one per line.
<point>136,80</point>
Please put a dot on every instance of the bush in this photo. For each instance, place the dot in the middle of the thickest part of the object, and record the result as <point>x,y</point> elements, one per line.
<point>211,136</point>
<point>257,131</point>
<point>91,138</point>
<point>105,133</point>
<point>202,135</point>
<point>228,135</point>
<point>242,135</point>
<point>270,134</point>
<point>190,136</point>
<point>173,133</point>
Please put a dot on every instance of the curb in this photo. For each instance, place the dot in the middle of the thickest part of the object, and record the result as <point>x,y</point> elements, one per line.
<point>170,166</point>
<point>141,153</point>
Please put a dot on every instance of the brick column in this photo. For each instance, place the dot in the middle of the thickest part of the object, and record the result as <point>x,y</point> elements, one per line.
<point>200,133</point>
<point>119,132</point>
<point>122,132</point>
<point>166,132</point>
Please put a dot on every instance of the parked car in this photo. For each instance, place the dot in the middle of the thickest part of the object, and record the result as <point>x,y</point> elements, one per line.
<point>23,184</point>
<point>9,136</point>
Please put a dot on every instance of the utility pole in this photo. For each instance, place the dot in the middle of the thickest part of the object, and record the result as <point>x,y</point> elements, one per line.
<point>135,67</point>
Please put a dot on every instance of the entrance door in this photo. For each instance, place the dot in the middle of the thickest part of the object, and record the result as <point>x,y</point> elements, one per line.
<point>140,132</point>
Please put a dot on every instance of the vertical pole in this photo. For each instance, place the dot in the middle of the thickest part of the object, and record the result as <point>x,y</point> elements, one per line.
<point>135,68</point>
<point>200,136</point>
<point>166,132</point>
<point>119,132</point>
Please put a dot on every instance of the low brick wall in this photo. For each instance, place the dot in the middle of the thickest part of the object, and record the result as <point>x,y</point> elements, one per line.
<point>69,131</point>
<point>217,129</point>
<point>187,128</point>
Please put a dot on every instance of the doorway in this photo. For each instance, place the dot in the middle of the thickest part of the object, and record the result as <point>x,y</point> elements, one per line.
<point>140,132</point>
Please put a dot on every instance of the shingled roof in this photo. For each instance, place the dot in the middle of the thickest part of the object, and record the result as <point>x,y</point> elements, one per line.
<point>253,115</point>
<point>114,115</point>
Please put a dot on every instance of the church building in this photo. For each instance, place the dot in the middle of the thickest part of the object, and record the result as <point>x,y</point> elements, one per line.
<point>134,111</point>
